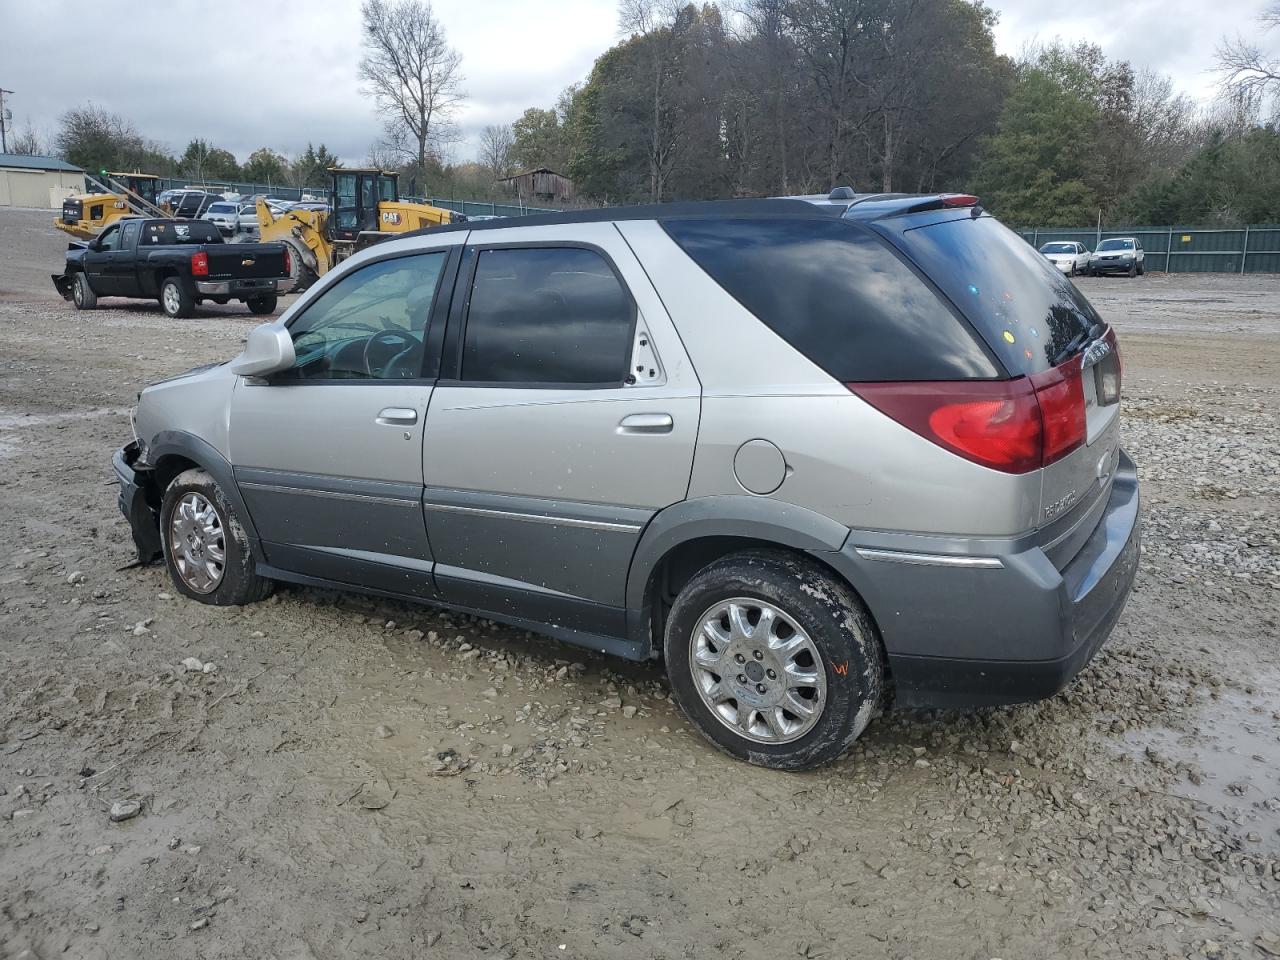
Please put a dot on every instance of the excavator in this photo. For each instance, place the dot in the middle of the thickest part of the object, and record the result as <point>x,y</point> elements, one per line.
<point>364,208</point>
<point>112,197</point>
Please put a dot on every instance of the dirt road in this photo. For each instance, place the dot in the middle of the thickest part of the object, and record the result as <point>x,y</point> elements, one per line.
<point>344,777</point>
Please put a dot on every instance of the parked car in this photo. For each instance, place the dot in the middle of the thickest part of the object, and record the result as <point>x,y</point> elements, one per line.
<point>247,219</point>
<point>189,204</point>
<point>1119,255</point>
<point>1068,256</point>
<point>181,263</point>
<point>818,455</point>
<point>225,215</point>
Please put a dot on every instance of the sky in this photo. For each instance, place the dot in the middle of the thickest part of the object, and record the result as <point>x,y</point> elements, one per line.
<point>281,73</point>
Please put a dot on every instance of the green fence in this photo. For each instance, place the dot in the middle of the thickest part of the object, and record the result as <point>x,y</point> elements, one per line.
<point>1251,249</point>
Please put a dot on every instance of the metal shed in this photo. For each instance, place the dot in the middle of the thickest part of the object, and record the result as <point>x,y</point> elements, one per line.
<point>42,182</point>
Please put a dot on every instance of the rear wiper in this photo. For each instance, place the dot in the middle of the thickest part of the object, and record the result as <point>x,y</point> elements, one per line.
<point>1076,342</point>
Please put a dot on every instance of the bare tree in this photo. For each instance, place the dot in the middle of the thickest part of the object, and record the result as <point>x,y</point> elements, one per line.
<point>1246,72</point>
<point>26,142</point>
<point>657,24</point>
<point>413,74</point>
<point>495,150</point>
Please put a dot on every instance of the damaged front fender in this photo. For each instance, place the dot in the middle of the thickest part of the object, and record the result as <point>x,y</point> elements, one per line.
<point>139,501</point>
<point>64,283</point>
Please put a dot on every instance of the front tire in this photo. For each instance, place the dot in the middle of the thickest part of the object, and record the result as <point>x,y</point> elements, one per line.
<point>261,305</point>
<point>1133,270</point>
<point>82,294</point>
<point>205,546</point>
<point>175,300</point>
<point>774,659</point>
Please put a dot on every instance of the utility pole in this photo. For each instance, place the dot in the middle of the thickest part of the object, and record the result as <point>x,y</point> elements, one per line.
<point>4,142</point>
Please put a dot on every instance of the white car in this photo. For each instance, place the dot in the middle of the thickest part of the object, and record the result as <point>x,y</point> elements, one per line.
<point>247,218</point>
<point>1068,256</point>
<point>225,214</point>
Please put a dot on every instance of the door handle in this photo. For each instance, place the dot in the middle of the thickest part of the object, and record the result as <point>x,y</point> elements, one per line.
<point>646,423</point>
<point>397,416</point>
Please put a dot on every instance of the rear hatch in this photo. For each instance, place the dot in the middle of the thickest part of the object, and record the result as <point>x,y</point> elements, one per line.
<point>246,261</point>
<point>1048,336</point>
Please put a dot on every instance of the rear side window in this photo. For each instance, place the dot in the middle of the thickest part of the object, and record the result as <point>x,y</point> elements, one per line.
<point>837,294</point>
<point>1026,309</point>
<point>553,315</point>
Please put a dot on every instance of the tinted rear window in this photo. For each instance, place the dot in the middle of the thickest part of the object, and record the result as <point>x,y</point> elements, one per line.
<point>195,231</point>
<point>837,294</point>
<point>1024,307</point>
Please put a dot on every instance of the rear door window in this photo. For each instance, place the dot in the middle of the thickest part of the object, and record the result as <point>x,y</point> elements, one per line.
<point>839,295</point>
<point>1026,309</point>
<point>547,315</point>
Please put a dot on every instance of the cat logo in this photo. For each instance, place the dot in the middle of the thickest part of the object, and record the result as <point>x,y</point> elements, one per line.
<point>391,217</point>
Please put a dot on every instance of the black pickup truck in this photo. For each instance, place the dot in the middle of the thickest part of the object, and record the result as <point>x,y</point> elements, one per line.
<point>181,263</point>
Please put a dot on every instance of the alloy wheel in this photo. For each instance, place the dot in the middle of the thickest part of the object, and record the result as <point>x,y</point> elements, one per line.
<point>757,670</point>
<point>197,543</point>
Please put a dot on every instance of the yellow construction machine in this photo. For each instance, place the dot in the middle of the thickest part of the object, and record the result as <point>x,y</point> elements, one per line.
<point>113,197</point>
<point>364,207</point>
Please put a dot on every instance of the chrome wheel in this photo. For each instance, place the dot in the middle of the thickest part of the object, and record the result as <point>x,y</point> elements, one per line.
<point>77,292</point>
<point>172,299</point>
<point>197,543</point>
<point>757,670</point>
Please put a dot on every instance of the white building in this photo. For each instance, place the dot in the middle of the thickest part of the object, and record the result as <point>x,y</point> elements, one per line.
<point>37,181</point>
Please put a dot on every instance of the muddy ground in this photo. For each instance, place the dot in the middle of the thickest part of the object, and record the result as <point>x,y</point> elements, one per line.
<point>354,777</point>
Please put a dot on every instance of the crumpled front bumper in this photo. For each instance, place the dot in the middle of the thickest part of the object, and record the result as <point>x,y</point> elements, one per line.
<point>138,502</point>
<point>64,283</point>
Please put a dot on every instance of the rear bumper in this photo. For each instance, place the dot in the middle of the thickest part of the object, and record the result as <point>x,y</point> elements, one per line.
<point>134,503</point>
<point>976,636</point>
<point>243,288</point>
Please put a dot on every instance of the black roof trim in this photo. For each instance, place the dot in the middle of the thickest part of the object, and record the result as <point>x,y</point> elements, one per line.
<point>772,207</point>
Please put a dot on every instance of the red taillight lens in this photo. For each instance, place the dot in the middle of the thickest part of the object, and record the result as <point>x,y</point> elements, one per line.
<point>958,200</point>
<point>200,264</point>
<point>1014,426</point>
<point>1060,393</point>
<point>288,263</point>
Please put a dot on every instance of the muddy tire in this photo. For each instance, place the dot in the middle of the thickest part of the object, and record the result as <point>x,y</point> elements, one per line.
<point>301,275</point>
<point>175,301</point>
<point>774,659</point>
<point>82,294</point>
<point>261,305</point>
<point>205,546</point>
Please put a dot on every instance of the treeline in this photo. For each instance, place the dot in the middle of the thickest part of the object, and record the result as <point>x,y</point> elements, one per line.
<point>768,97</point>
<point>95,139</point>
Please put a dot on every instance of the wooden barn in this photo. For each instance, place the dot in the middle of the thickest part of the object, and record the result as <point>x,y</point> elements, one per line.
<point>540,186</point>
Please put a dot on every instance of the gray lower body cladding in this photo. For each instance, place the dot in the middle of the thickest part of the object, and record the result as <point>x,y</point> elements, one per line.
<point>975,636</point>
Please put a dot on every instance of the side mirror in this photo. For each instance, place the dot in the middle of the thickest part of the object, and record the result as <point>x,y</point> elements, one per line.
<point>268,350</point>
<point>94,244</point>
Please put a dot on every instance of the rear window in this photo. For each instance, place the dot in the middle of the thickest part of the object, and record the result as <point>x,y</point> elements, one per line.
<point>194,231</point>
<point>837,294</point>
<point>1024,307</point>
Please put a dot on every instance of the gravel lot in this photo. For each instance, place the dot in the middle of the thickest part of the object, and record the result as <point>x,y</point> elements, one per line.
<point>350,777</point>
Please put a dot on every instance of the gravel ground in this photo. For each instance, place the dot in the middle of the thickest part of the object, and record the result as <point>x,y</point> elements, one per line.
<point>323,775</point>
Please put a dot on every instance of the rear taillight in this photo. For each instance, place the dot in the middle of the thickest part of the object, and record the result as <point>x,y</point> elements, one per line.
<point>958,200</point>
<point>200,264</point>
<point>1014,426</point>
<point>288,263</point>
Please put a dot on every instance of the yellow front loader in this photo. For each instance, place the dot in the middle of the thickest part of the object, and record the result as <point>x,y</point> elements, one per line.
<point>364,207</point>
<point>119,196</point>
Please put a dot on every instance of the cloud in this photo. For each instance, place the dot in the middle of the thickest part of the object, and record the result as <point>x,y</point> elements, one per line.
<point>282,73</point>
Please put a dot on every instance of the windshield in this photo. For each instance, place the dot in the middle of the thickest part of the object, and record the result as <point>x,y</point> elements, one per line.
<point>1025,308</point>
<point>1058,248</point>
<point>1116,245</point>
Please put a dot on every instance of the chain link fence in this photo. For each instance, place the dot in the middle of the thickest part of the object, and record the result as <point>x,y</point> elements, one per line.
<point>1249,249</point>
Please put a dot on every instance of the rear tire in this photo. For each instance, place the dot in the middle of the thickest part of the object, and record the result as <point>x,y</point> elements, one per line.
<point>792,698</point>
<point>1142,269</point>
<point>261,305</point>
<point>205,546</point>
<point>175,301</point>
<point>82,294</point>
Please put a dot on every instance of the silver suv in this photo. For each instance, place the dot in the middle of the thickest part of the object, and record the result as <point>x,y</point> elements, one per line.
<point>820,455</point>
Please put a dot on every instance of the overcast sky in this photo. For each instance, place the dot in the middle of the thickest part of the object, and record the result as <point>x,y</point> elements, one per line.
<point>249,73</point>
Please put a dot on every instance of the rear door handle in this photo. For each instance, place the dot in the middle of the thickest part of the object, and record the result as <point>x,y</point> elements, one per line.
<point>398,416</point>
<point>646,423</point>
